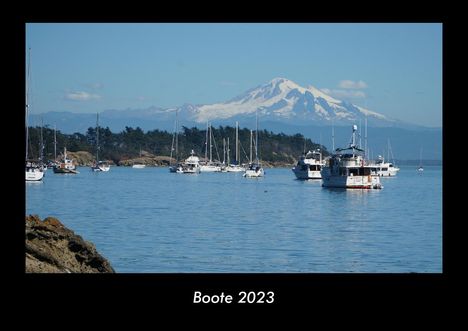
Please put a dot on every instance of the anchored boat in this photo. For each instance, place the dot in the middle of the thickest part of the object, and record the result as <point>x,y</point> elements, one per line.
<point>309,165</point>
<point>347,168</point>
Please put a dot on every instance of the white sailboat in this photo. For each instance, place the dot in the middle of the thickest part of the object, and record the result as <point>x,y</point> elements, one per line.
<point>209,166</point>
<point>65,165</point>
<point>385,168</point>
<point>139,165</point>
<point>34,171</point>
<point>235,166</point>
<point>175,141</point>
<point>99,166</point>
<point>255,169</point>
<point>420,168</point>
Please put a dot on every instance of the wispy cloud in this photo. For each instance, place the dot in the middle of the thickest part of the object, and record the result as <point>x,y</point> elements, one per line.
<point>352,85</point>
<point>81,96</point>
<point>344,94</point>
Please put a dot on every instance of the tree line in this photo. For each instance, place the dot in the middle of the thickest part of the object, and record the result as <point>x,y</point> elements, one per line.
<point>128,143</point>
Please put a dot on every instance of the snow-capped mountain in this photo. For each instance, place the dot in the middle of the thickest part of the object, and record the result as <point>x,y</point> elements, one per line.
<point>283,100</point>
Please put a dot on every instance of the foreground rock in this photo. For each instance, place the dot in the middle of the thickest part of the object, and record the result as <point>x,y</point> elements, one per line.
<point>52,248</point>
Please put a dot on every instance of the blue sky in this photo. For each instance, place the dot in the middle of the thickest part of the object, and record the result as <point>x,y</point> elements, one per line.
<point>394,69</point>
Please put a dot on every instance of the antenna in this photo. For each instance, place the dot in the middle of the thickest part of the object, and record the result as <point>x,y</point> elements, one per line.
<point>360,133</point>
<point>365,138</point>
<point>333,136</point>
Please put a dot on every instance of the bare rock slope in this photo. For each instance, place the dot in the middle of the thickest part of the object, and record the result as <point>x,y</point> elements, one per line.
<point>53,248</point>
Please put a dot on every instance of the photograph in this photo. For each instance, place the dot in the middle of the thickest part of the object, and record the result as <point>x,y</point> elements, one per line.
<point>233,148</point>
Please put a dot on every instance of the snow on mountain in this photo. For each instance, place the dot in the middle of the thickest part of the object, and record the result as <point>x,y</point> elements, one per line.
<point>284,100</point>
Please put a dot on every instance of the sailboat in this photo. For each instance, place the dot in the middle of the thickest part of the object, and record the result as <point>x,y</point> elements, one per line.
<point>209,166</point>
<point>255,169</point>
<point>235,166</point>
<point>420,168</point>
<point>99,166</point>
<point>65,165</point>
<point>175,141</point>
<point>33,168</point>
<point>139,165</point>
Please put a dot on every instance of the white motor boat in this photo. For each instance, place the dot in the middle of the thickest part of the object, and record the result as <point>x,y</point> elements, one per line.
<point>309,165</point>
<point>347,169</point>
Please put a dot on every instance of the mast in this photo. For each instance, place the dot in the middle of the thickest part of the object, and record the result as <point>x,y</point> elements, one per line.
<point>228,151</point>
<point>224,150</point>
<point>27,105</point>
<point>177,136</point>
<point>42,142</point>
<point>97,138</point>
<point>237,143</point>
<point>333,137</point>
<point>55,143</point>
<point>206,143</point>
<point>173,137</point>
<point>211,144</point>
<point>251,140</point>
<point>256,137</point>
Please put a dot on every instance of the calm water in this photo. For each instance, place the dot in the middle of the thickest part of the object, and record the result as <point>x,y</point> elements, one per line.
<point>150,220</point>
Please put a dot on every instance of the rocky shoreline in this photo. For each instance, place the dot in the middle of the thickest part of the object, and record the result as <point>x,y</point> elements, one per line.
<point>53,248</point>
<point>86,159</point>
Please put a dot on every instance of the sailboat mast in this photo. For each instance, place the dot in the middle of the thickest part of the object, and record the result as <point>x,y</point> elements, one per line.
<point>256,137</point>
<point>206,142</point>
<point>211,144</point>
<point>228,151</point>
<point>224,150</point>
<point>42,141</point>
<point>177,137</point>
<point>55,143</point>
<point>97,138</point>
<point>27,105</point>
<point>251,140</point>
<point>237,142</point>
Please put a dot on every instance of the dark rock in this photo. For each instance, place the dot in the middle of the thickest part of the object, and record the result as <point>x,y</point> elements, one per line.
<point>53,248</point>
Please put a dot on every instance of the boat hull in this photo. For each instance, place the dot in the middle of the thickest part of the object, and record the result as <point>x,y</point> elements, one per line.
<point>306,174</point>
<point>65,171</point>
<point>249,173</point>
<point>34,175</point>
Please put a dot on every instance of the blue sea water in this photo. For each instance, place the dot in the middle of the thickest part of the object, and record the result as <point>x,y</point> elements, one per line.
<point>152,221</point>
